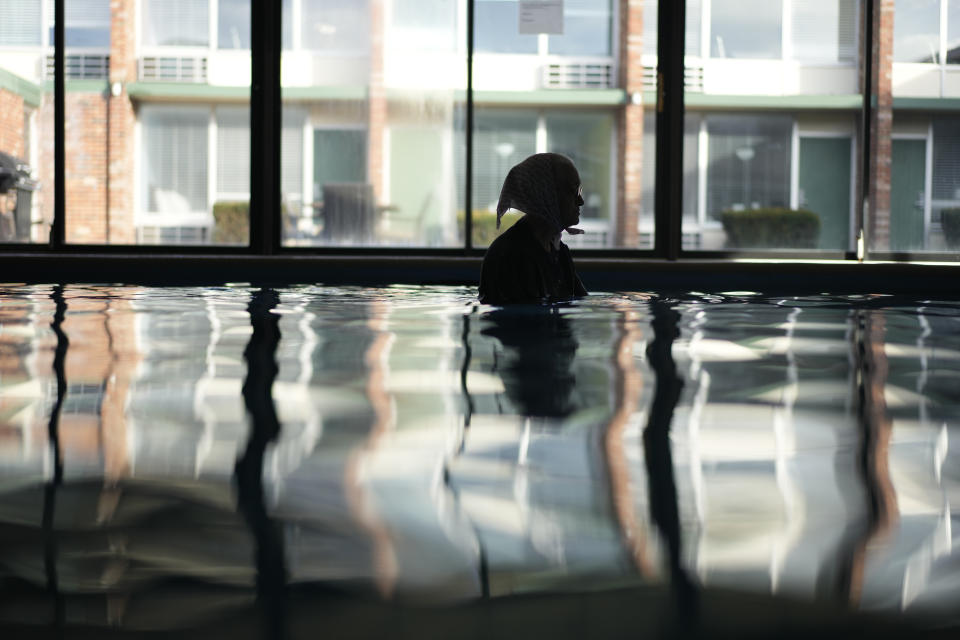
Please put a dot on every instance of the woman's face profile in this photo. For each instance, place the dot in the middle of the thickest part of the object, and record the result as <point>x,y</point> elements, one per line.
<point>570,194</point>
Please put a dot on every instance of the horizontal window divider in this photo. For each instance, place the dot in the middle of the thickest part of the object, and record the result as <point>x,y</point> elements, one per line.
<point>600,274</point>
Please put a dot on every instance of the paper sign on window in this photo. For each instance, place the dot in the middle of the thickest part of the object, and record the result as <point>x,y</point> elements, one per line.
<point>541,16</point>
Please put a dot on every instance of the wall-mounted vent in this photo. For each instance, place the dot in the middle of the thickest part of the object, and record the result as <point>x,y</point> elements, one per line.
<point>173,69</point>
<point>578,75</point>
<point>692,79</point>
<point>86,66</point>
<point>172,235</point>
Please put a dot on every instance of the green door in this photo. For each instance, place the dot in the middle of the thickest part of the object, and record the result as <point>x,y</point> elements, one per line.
<point>825,188</point>
<point>907,197</point>
<point>338,156</point>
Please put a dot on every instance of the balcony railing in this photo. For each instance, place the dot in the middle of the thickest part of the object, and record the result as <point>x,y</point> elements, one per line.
<point>173,68</point>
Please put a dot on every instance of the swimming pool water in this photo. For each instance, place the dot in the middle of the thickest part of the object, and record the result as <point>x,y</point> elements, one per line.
<point>169,454</point>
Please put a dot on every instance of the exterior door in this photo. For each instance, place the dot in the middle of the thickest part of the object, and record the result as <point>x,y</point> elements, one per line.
<point>825,188</point>
<point>907,194</point>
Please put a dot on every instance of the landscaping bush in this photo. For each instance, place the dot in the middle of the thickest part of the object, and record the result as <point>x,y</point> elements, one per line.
<point>231,223</point>
<point>485,225</point>
<point>950,220</point>
<point>771,228</point>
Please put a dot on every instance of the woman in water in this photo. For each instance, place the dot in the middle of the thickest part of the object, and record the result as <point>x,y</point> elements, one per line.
<point>528,262</point>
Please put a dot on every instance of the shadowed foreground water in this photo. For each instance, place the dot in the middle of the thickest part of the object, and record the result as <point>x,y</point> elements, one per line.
<point>401,462</point>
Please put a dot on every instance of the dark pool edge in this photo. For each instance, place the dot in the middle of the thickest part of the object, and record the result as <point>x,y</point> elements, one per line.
<point>598,274</point>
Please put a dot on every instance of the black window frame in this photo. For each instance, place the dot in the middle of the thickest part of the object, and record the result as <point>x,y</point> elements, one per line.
<point>265,180</point>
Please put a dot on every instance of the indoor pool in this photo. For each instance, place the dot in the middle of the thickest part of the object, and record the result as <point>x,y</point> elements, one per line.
<point>380,462</point>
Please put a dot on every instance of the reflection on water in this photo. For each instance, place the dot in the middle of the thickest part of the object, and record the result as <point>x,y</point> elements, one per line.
<point>172,456</point>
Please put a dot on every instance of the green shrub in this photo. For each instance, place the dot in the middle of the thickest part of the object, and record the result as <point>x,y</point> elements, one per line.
<point>231,223</point>
<point>485,225</point>
<point>950,219</point>
<point>771,228</point>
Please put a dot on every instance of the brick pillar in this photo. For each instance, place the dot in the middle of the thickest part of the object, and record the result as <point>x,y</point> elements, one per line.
<point>11,124</point>
<point>881,126</point>
<point>377,100</point>
<point>11,142</point>
<point>123,69</point>
<point>630,124</point>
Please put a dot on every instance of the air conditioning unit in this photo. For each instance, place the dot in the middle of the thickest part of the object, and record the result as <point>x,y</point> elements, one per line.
<point>578,75</point>
<point>692,79</point>
<point>174,68</point>
<point>84,66</point>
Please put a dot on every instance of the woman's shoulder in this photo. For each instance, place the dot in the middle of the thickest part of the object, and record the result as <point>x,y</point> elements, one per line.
<point>513,239</point>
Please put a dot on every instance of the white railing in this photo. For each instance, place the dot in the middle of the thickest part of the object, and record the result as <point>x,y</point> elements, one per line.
<point>578,75</point>
<point>173,68</point>
<point>81,66</point>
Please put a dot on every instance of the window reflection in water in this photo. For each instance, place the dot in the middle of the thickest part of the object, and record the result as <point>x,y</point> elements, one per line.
<point>809,449</point>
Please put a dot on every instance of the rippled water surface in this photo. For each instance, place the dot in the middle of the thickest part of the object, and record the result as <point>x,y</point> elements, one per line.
<point>168,456</point>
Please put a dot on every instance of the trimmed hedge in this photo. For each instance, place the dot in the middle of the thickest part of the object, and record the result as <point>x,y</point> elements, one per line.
<point>773,227</point>
<point>231,223</point>
<point>950,220</point>
<point>485,225</point>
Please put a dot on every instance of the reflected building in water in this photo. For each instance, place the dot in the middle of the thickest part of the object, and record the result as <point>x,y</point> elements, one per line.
<point>777,446</point>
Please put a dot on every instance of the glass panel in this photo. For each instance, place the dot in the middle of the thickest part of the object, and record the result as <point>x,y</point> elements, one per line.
<point>916,31</point>
<point>770,158</point>
<point>234,24</point>
<point>26,126</point>
<point>372,93</point>
<point>587,29</point>
<point>745,29</point>
<point>335,25</point>
<point>176,23</point>
<point>587,139</point>
<point>916,204</point>
<point>583,125</point>
<point>501,139</point>
<point>824,31</point>
<point>953,32</point>
<point>496,28</point>
<point>175,169</point>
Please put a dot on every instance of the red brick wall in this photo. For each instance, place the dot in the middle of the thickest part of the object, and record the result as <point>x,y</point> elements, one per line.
<point>11,134</point>
<point>881,126</point>
<point>630,124</point>
<point>123,69</point>
<point>377,100</point>
<point>86,168</point>
<point>11,124</point>
<point>99,147</point>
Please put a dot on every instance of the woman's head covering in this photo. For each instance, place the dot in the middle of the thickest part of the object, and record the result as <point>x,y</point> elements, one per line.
<point>531,187</point>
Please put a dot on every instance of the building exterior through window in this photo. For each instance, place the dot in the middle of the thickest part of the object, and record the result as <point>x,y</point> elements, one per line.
<point>374,137</point>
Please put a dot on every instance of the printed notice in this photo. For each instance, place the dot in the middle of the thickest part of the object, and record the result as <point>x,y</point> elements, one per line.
<point>541,16</point>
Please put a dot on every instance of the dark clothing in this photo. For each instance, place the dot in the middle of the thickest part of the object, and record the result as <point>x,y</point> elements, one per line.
<point>518,269</point>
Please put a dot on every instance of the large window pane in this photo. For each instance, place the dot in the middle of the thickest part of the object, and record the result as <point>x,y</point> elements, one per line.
<point>501,139</point>
<point>496,28</point>
<point>953,32</point>
<point>749,162</point>
<point>233,30</point>
<point>19,23</point>
<point>178,23</point>
<point>770,160</point>
<point>745,29</point>
<point>586,138</point>
<point>371,125</point>
<point>587,29</point>
<point>824,31</point>
<point>175,161</point>
<point>335,25</point>
<point>916,31</point>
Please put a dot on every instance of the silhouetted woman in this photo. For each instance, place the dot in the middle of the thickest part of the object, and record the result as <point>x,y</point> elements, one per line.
<point>528,262</point>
